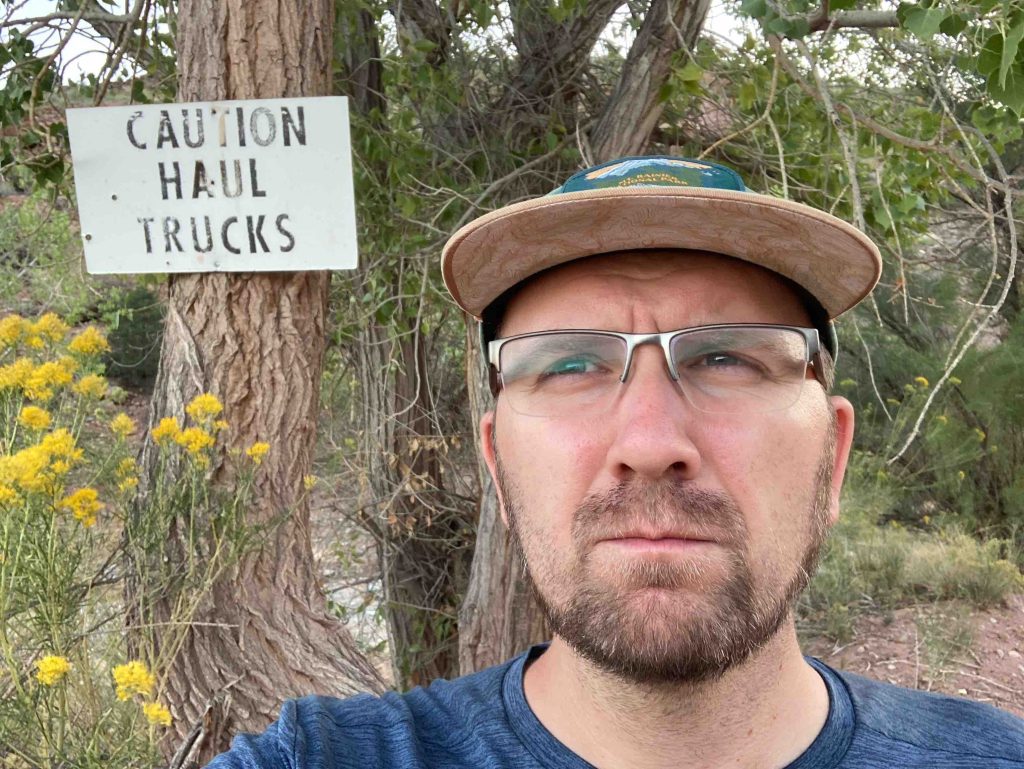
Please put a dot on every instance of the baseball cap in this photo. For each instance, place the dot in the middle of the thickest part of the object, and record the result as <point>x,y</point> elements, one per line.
<point>661,202</point>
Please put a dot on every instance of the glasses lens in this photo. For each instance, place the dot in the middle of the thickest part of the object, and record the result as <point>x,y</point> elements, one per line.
<point>561,374</point>
<point>740,370</point>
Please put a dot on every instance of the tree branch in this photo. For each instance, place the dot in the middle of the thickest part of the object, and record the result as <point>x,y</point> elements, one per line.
<point>424,20</point>
<point>632,111</point>
<point>820,19</point>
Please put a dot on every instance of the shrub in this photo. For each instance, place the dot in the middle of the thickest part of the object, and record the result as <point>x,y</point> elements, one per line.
<point>72,694</point>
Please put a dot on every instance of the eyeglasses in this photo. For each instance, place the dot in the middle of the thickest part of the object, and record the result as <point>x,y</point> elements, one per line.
<point>733,368</point>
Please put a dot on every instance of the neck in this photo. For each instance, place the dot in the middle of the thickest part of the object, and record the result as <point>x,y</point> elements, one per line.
<point>762,713</point>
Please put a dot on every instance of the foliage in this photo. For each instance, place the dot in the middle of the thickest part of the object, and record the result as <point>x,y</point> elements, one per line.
<point>135,318</point>
<point>41,259</point>
<point>73,693</point>
<point>869,565</point>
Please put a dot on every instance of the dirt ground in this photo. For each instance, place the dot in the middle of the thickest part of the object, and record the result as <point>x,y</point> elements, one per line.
<point>947,647</point>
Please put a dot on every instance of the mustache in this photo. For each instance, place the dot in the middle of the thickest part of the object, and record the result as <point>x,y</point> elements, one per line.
<point>668,507</point>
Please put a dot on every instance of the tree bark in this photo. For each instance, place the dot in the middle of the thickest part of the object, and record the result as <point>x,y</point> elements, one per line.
<point>632,111</point>
<point>262,633</point>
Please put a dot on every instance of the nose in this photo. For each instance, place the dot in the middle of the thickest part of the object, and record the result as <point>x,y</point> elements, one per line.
<point>654,424</point>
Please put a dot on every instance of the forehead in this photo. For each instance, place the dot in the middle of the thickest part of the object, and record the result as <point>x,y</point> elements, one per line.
<point>653,291</point>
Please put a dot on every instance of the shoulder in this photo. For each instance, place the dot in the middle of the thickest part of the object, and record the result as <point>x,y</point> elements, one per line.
<point>393,729</point>
<point>894,719</point>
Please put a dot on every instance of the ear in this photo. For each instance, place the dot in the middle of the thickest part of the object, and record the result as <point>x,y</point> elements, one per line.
<point>490,453</point>
<point>843,411</point>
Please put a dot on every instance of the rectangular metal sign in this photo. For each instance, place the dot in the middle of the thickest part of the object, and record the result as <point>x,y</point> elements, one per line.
<point>235,186</point>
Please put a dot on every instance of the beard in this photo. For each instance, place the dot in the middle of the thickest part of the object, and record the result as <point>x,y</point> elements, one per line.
<point>663,621</point>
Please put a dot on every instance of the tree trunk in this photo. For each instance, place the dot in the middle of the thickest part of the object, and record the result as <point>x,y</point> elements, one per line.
<point>631,113</point>
<point>422,534</point>
<point>262,632</point>
<point>499,616</point>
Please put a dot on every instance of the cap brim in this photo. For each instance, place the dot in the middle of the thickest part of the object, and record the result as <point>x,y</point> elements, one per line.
<point>835,262</point>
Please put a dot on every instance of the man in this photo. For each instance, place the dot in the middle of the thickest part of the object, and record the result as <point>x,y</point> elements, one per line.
<point>669,462</point>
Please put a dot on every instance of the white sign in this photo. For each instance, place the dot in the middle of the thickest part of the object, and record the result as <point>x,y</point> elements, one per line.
<point>237,186</point>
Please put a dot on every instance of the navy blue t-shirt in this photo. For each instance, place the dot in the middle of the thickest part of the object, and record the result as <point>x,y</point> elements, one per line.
<point>483,720</point>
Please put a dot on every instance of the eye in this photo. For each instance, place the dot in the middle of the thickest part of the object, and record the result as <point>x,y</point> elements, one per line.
<point>720,360</point>
<point>574,365</point>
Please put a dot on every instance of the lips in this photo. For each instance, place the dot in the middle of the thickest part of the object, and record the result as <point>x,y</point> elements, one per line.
<point>655,536</point>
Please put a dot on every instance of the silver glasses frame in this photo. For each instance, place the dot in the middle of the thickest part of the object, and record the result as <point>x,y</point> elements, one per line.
<point>664,340</point>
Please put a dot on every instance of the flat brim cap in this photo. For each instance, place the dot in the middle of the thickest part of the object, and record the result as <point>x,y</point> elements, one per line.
<point>834,261</point>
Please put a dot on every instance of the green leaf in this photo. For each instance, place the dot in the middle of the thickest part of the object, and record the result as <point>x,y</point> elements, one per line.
<point>953,25</point>
<point>798,28</point>
<point>1010,45</point>
<point>754,8</point>
<point>777,26</point>
<point>924,23</point>
<point>690,73</point>
<point>842,5</point>
<point>747,95</point>
<point>991,55</point>
<point>1009,92</point>
<point>983,117</point>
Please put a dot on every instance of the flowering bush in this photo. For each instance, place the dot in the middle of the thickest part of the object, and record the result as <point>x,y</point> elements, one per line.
<point>71,520</point>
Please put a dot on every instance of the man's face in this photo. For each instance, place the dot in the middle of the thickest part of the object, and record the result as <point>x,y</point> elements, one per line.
<point>665,543</point>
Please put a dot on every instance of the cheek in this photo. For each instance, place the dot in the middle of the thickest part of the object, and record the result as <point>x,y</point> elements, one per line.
<point>553,465</point>
<point>769,468</point>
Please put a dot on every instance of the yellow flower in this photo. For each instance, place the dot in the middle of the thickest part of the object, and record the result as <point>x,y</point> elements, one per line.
<point>955,381</point>
<point>926,519</point>
<point>194,439</point>
<point>126,475</point>
<point>168,430</point>
<point>16,373</point>
<point>220,424</point>
<point>89,341</point>
<point>308,482</point>
<point>35,342</point>
<point>127,483</point>
<point>34,418</point>
<point>257,451</point>
<point>44,379</point>
<point>50,326</point>
<point>11,329</point>
<point>8,496</point>
<point>91,386</point>
<point>133,678</point>
<point>204,407</point>
<point>979,434</point>
<point>157,714</point>
<point>27,469</point>
<point>122,425</point>
<point>31,468</point>
<point>921,381</point>
<point>61,443</point>
<point>83,504</point>
<point>68,363</point>
<point>961,475</point>
<point>51,669</point>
